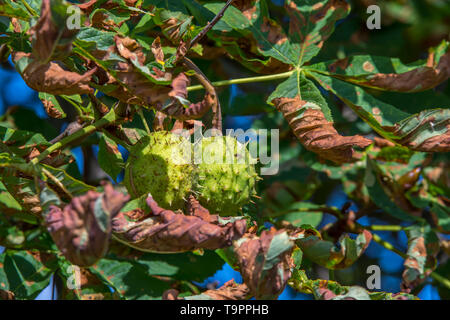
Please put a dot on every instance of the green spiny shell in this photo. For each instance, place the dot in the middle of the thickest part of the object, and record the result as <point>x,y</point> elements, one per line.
<point>160,164</point>
<point>226,176</point>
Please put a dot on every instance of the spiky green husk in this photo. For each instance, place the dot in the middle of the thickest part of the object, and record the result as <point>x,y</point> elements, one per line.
<point>159,164</point>
<point>224,186</point>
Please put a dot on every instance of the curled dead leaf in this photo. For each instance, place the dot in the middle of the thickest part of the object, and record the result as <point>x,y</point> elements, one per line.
<point>420,261</point>
<point>53,78</point>
<point>427,131</point>
<point>160,122</point>
<point>171,294</point>
<point>166,231</point>
<point>7,295</point>
<point>229,291</point>
<point>81,230</point>
<point>419,79</point>
<point>193,111</point>
<point>265,262</point>
<point>157,50</point>
<point>89,6</point>
<point>381,142</point>
<point>49,40</point>
<point>51,110</point>
<point>88,282</point>
<point>129,49</point>
<point>316,133</point>
<point>133,86</point>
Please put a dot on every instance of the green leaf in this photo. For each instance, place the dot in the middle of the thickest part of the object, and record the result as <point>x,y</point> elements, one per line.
<point>10,162</point>
<point>311,23</point>
<point>94,39</point>
<point>109,157</point>
<point>372,181</point>
<point>423,196</point>
<point>443,271</point>
<point>90,287</point>
<point>375,112</point>
<point>263,36</point>
<point>13,9</point>
<point>130,279</point>
<point>115,15</point>
<point>27,120</point>
<point>297,85</point>
<point>10,235</point>
<point>417,101</point>
<point>4,24</point>
<point>173,17</point>
<point>7,202</point>
<point>174,6</point>
<point>74,186</point>
<point>20,142</point>
<point>90,40</point>
<point>303,213</point>
<point>182,266</point>
<point>276,46</point>
<point>26,273</point>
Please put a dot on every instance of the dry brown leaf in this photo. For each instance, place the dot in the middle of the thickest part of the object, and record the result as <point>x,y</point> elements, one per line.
<point>229,291</point>
<point>51,110</point>
<point>265,276</point>
<point>76,230</point>
<point>129,49</point>
<point>439,143</point>
<point>7,295</point>
<point>431,132</point>
<point>381,142</point>
<point>419,79</point>
<point>193,111</point>
<point>318,134</point>
<point>89,6</point>
<point>50,41</point>
<point>53,78</point>
<point>166,231</point>
<point>157,50</point>
<point>132,87</point>
<point>160,122</point>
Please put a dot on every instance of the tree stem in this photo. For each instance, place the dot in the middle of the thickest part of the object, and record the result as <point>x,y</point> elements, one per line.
<point>245,80</point>
<point>30,9</point>
<point>210,25</point>
<point>384,228</point>
<point>445,282</point>
<point>440,279</point>
<point>388,245</point>
<point>141,115</point>
<point>109,118</point>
